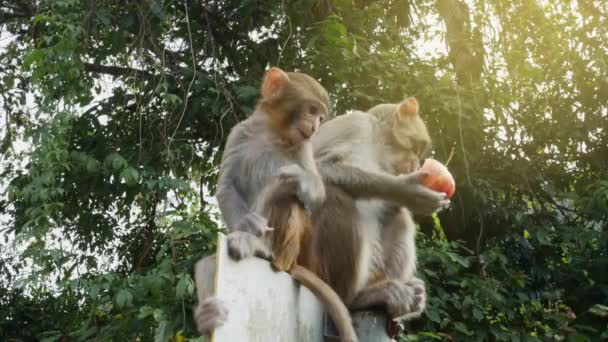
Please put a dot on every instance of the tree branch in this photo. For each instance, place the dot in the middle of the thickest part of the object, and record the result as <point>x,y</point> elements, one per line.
<point>116,70</point>
<point>18,9</point>
<point>465,48</point>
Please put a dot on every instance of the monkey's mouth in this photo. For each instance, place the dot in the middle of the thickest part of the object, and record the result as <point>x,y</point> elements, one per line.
<point>304,134</point>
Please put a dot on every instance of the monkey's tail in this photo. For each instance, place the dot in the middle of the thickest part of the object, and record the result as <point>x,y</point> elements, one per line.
<point>334,305</point>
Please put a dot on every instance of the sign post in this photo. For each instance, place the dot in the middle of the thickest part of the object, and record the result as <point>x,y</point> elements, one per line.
<point>265,305</point>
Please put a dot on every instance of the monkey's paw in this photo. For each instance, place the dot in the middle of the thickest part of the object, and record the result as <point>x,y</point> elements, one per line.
<point>290,173</point>
<point>243,245</point>
<point>253,223</point>
<point>406,300</point>
<point>417,197</point>
<point>308,187</point>
<point>210,314</point>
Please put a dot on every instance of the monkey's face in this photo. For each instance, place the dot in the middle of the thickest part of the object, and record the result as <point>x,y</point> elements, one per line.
<point>295,104</point>
<point>409,149</point>
<point>303,121</point>
<point>410,139</point>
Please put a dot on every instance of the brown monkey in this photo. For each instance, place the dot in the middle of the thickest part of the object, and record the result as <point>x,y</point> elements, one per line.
<point>268,179</point>
<point>359,157</point>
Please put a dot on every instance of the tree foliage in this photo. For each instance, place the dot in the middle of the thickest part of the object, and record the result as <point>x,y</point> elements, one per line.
<point>114,115</point>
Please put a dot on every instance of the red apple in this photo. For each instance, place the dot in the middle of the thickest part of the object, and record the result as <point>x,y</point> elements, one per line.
<point>439,178</point>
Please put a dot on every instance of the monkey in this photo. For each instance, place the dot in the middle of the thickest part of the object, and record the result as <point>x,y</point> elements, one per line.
<point>366,161</point>
<point>268,178</point>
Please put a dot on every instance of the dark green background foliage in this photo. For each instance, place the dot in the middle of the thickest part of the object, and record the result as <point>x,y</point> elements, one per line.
<point>114,114</point>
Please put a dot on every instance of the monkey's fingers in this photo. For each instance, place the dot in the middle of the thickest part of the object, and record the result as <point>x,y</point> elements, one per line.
<point>418,286</point>
<point>431,194</point>
<point>241,245</point>
<point>255,224</point>
<point>290,173</point>
<point>428,201</point>
<point>444,204</point>
<point>418,176</point>
<point>394,328</point>
<point>263,252</point>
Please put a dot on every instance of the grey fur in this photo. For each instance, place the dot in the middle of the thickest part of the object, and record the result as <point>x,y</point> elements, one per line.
<point>363,231</point>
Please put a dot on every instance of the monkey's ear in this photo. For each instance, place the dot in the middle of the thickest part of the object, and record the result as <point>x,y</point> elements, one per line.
<point>274,82</point>
<point>408,108</point>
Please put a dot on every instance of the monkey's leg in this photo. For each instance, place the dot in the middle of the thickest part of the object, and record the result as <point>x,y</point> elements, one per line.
<point>396,296</point>
<point>398,240</point>
<point>210,312</point>
<point>400,259</point>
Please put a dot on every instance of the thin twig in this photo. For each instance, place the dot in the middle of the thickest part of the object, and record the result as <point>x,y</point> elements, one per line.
<point>288,37</point>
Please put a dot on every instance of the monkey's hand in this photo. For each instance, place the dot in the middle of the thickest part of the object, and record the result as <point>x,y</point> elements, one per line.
<point>210,314</point>
<point>416,291</point>
<point>417,197</point>
<point>253,223</point>
<point>308,186</point>
<point>243,245</point>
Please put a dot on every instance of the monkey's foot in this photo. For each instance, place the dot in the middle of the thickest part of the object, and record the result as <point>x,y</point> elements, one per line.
<point>243,245</point>
<point>409,300</point>
<point>210,314</point>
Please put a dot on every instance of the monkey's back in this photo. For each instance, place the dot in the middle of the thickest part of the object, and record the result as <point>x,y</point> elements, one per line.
<point>336,238</point>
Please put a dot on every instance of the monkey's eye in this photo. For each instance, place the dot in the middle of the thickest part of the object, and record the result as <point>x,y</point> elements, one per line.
<point>313,110</point>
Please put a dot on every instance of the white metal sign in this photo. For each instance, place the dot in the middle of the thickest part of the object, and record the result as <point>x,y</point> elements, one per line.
<point>264,305</point>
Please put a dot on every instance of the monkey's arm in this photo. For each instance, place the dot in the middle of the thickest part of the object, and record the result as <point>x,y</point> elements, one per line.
<point>333,144</point>
<point>245,224</point>
<point>304,179</point>
<point>236,213</point>
<point>231,195</point>
<point>231,204</point>
<point>357,182</point>
<point>404,190</point>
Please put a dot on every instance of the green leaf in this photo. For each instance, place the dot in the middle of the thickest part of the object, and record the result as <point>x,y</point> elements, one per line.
<point>159,315</point>
<point>124,298</point>
<point>92,165</point>
<point>129,175</point>
<point>430,334</point>
<point>185,286</point>
<point>478,314</point>
<point>433,315</point>
<point>459,326</point>
<point>116,161</point>
<point>599,310</point>
<point>94,291</point>
<point>247,93</point>
<point>145,311</point>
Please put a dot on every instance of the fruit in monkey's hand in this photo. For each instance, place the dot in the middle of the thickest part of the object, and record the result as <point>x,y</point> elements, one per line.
<point>439,178</point>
